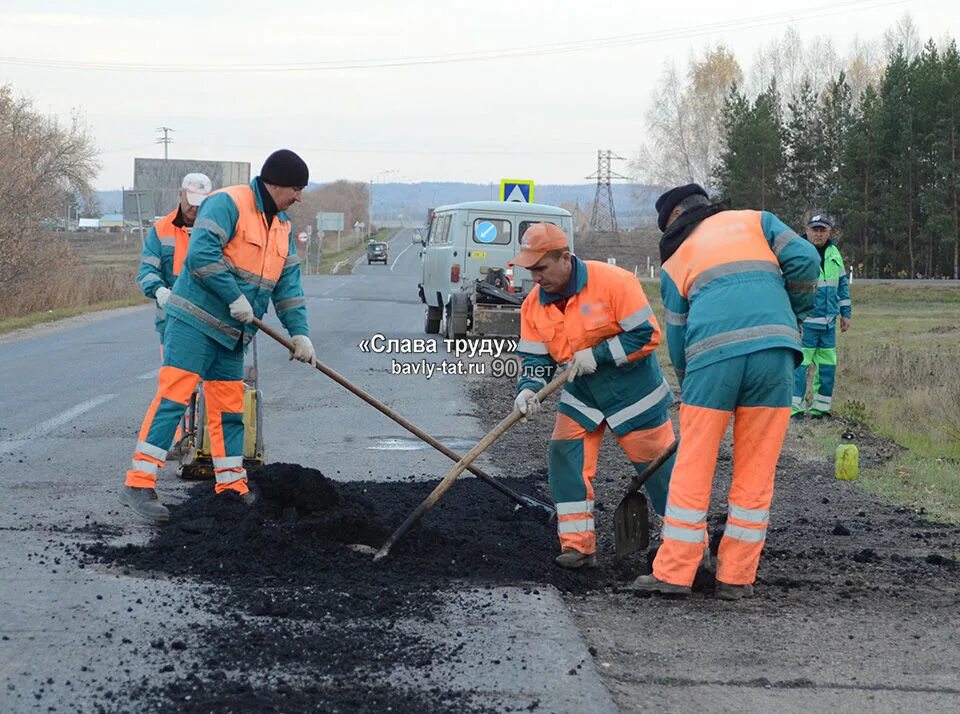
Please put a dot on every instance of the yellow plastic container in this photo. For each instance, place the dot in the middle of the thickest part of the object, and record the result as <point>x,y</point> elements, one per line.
<point>848,459</point>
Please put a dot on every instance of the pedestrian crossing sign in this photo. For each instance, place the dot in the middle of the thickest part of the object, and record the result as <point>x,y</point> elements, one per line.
<point>516,190</point>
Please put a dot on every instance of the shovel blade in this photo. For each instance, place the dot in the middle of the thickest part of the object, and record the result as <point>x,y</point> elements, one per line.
<point>631,526</point>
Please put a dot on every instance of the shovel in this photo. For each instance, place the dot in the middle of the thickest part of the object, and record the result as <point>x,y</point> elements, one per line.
<point>447,481</point>
<point>631,523</point>
<point>541,511</point>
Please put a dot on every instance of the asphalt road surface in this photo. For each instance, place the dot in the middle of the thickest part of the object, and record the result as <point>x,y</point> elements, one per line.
<point>73,396</point>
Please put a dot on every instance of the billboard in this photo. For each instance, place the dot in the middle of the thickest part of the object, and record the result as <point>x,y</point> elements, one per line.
<point>161,178</point>
<point>329,222</point>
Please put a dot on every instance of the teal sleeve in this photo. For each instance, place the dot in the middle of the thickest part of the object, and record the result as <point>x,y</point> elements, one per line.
<point>150,276</point>
<point>288,299</point>
<point>215,226</point>
<point>799,263</point>
<point>676,307</point>
<point>843,295</point>
<point>535,371</point>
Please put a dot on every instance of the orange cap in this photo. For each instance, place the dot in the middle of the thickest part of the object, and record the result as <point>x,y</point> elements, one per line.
<point>537,240</point>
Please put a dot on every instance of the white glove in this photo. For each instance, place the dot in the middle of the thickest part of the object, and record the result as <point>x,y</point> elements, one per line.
<point>162,295</point>
<point>303,349</point>
<point>240,310</point>
<point>527,403</point>
<point>583,362</point>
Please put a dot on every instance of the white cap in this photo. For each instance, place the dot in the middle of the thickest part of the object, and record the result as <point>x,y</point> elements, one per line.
<point>197,186</point>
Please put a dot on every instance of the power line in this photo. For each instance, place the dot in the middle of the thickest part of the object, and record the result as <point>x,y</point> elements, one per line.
<point>588,45</point>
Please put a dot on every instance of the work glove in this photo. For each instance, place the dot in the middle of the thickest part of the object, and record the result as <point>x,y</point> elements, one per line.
<point>240,310</point>
<point>162,295</point>
<point>583,362</point>
<point>527,403</point>
<point>303,349</point>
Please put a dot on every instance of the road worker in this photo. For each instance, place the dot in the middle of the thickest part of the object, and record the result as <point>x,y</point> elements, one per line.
<point>734,285</point>
<point>820,326</point>
<point>242,256</point>
<point>164,250</point>
<point>596,318</point>
<point>165,246</point>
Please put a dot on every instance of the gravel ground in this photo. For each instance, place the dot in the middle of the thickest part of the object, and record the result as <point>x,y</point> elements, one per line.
<point>856,604</point>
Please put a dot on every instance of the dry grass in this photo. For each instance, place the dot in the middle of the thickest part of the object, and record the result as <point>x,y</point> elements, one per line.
<point>73,272</point>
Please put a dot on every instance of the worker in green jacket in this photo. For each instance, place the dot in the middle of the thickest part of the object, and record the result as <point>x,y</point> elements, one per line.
<point>820,326</point>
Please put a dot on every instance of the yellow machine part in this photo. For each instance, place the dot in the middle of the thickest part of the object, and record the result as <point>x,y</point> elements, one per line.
<point>249,428</point>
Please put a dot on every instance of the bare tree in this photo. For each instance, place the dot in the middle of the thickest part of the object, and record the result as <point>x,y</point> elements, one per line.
<point>42,165</point>
<point>683,122</point>
<point>903,34</point>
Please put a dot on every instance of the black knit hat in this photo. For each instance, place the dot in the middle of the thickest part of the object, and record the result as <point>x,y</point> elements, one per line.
<point>285,168</point>
<point>668,201</point>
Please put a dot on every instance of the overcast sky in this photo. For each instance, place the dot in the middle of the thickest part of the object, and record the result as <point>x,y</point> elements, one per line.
<point>534,114</point>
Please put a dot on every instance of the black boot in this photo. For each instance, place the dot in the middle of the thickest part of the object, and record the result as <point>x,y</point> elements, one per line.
<point>145,503</point>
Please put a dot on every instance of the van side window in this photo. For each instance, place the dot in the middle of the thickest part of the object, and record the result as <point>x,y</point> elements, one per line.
<point>444,230</point>
<point>492,231</point>
<point>526,224</point>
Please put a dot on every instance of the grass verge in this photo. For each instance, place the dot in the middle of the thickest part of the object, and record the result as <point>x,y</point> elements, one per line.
<point>37,318</point>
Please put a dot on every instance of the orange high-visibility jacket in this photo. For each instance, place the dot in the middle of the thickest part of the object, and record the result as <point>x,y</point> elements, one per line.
<point>610,314</point>
<point>233,252</point>
<point>161,259</point>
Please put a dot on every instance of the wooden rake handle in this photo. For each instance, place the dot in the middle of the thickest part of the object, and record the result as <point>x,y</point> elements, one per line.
<point>451,475</point>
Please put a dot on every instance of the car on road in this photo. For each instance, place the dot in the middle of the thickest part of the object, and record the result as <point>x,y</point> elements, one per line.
<point>376,252</point>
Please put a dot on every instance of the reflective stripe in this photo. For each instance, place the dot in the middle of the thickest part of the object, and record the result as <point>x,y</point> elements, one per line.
<point>845,303</point>
<point>817,320</point>
<point>747,535</point>
<point>742,335</point>
<point>594,415</point>
<point>579,525</point>
<point>147,280</point>
<point>213,227</point>
<point>639,407</point>
<point>821,403</point>
<point>204,316</point>
<point>750,515</point>
<point>676,318</point>
<point>687,515</point>
<point>252,278</point>
<point>209,269</point>
<point>616,350</point>
<point>781,241</point>
<point>151,450</point>
<point>685,535</point>
<point>798,402</point>
<point>739,266</point>
<point>800,286</point>
<point>532,348</point>
<point>291,260</point>
<point>145,466</point>
<point>151,261</point>
<point>289,304</point>
<point>568,508</point>
<point>230,476</point>
<point>633,321</point>
<point>828,283</point>
<point>227,462</point>
<point>168,242</point>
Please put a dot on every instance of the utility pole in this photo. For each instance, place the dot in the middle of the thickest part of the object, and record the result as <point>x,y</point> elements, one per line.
<point>165,140</point>
<point>603,219</point>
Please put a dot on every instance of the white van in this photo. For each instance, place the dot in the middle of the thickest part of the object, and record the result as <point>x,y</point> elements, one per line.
<point>464,243</point>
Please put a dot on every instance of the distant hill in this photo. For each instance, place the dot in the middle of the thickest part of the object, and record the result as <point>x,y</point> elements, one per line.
<point>633,202</point>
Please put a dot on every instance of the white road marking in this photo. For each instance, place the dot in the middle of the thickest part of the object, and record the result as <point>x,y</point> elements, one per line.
<point>399,256</point>
<point>152,374</point>
<point>45,427</point>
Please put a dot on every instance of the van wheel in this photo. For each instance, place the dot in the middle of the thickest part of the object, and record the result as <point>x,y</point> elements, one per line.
<point>458,311</point>
<point>431,323</point>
